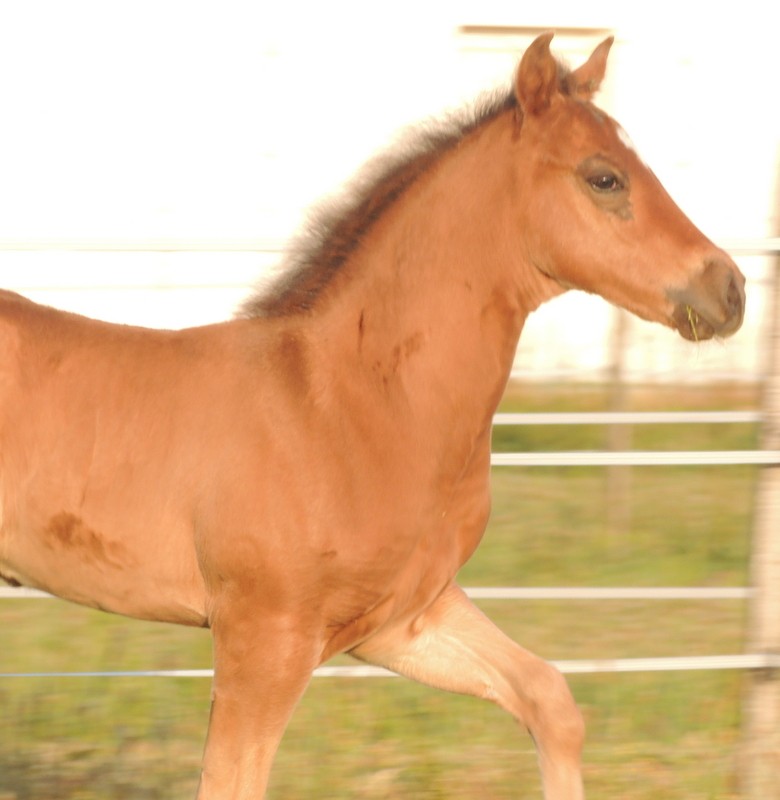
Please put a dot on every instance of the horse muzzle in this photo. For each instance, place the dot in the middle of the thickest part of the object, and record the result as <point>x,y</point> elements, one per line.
<point>713,303</point>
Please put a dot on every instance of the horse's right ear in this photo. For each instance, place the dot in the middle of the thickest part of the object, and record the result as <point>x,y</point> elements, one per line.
<point>537,76</point>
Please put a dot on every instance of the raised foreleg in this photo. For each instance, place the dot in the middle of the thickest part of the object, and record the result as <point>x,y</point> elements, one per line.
<point>454,646</point>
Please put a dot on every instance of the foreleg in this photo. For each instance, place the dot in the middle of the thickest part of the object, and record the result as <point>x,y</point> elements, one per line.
<point>261,669</point>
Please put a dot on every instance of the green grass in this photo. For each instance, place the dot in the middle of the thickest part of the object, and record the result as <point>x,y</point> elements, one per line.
<point>659,735</point>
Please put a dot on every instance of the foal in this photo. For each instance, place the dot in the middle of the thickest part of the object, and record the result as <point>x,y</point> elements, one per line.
<point>308,478</point>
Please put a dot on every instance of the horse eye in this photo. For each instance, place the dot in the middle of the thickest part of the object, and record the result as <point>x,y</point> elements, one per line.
<point>606,182</point>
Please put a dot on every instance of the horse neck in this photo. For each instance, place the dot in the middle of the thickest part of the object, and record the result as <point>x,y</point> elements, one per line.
<point>431,305</point>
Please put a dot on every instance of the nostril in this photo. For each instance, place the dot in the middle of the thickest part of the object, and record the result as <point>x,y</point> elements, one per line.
<point>719,295</point>
<point>726,280</point>
<point>734,297</point>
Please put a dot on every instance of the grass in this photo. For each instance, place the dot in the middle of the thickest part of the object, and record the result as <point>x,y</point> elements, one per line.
<point>669,735</point>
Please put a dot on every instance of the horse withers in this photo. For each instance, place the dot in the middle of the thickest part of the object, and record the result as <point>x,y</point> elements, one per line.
<point>307,478</point>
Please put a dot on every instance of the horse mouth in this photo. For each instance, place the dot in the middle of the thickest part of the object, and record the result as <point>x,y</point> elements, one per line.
<point>712,306</point>
<point>693,325</point>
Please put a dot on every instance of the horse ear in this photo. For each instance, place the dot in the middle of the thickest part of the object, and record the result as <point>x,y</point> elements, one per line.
<point>585,81</point>
<point>537,76</point>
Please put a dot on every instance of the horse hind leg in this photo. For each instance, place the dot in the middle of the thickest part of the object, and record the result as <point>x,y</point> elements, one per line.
<point>453,646</point>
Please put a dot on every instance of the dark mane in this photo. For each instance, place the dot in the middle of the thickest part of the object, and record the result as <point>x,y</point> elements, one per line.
<point>336,228</point>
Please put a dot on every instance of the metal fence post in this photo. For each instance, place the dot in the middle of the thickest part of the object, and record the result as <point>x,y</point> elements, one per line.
<point>760,756</point>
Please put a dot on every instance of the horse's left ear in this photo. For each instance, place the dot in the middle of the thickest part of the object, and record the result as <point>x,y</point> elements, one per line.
<point>536,81</point>
<point>585,81</point>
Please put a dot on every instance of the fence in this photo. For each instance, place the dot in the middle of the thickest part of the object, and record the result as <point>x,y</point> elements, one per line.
<point>757,772</point>
<point>761,728</point>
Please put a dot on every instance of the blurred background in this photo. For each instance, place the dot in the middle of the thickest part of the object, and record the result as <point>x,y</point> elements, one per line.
<point>155,157</point>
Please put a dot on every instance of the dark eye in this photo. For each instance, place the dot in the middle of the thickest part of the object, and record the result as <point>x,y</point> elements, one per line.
<point>605,182</point>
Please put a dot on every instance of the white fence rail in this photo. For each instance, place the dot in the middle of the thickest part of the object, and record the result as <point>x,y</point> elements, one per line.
<point>533,593</point>
<point>576,667</point>
<point>627,418</point>
<point>636,458</point>
<point>167,244</point>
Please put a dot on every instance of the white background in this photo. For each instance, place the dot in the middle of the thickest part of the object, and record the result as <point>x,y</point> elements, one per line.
<point>155,156</point>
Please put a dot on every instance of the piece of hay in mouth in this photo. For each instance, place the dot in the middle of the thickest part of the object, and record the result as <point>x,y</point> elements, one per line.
<point>693,318</point>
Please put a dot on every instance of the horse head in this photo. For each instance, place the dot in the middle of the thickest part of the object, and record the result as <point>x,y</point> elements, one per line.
<point>598,219</point>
